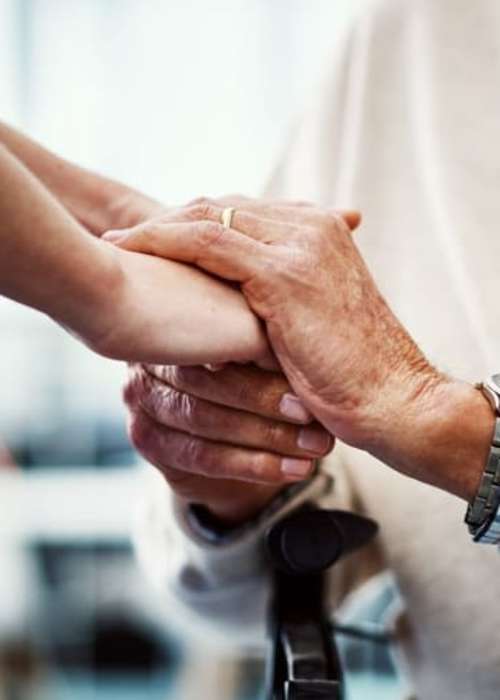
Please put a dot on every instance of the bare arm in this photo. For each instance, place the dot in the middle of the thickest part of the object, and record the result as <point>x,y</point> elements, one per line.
<point>47,260</point>
<point>97,202</point>
<point>124,305</point>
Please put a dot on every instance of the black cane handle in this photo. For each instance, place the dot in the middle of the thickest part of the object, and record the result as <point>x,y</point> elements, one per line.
<point>305,663</point>
<point>310,540</point>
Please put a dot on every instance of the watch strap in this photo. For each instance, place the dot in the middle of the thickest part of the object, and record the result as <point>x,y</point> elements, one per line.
<point>489,533</point>
<point>483,509</point>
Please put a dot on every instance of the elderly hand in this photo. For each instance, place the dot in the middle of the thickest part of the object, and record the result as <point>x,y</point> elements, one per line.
<point>342,349</point>
<point>229,440</point>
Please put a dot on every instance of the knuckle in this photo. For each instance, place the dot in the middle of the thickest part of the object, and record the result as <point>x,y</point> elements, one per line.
<point>298,264</point>
<point>151,240</point>
<point>185,409</point>
<point>210,232</point>
<point>158,399</point>
<point>277,269</point>
<point>144,238</point>
<point>135,386</point>
<point>194,454</point>
<point>144,233</point>
<point>264,468</point>
<point>129,392</point>
<point>140,432</point>
<point>183,378</point>
<point>274,435</point>
<point>162,373</point>
<point>169,406</point>
<point>173,403</point>
<point>193,413</point>
<point>200,211</point>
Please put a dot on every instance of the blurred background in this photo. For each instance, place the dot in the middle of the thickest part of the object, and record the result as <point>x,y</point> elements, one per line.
<point>177,98</point>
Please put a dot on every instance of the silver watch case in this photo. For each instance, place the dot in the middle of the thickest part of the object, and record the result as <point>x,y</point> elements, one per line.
<point>491,389</point>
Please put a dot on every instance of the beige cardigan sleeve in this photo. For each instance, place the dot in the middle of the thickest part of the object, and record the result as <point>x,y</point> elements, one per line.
<point>219,588</point>
<point>211,586</point>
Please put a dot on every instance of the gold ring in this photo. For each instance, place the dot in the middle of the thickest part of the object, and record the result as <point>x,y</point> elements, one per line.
<point>227,217</point>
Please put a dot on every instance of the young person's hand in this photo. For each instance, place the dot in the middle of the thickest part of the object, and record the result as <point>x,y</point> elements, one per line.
<point>159,311</point>
<point>97,202</point>
<point>124,305</point>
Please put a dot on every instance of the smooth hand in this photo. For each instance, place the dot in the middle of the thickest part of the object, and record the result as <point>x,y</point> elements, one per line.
<point>229,440</point>
<point>158,311</point>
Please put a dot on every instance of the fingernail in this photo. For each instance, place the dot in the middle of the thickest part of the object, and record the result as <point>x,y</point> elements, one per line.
<point>291,407</point>
<point>314,439</point>
<point>113,236</point>
<point>296,468</point>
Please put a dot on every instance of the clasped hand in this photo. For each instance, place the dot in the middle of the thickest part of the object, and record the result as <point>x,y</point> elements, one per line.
<point>342,350</point>
<point>339,344</point>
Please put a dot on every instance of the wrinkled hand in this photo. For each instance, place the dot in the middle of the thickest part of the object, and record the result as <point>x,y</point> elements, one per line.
<point>340,346</point>
<point>229,440</point>
<point>342,349</point>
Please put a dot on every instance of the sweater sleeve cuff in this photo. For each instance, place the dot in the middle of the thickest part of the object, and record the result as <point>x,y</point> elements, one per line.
<point>197,523</point>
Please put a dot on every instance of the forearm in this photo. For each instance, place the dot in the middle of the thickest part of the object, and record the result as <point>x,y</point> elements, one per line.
<point>123,305</point>
<point>441,437</point>
<point>48,261</point>
<point>97,202</point>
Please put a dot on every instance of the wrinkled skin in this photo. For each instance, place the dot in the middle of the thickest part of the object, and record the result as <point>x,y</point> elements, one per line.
<point>343,351</point>
<point>221,439</point>
<point>301,272</point>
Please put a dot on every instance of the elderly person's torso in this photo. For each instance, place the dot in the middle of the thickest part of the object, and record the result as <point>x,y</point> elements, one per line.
<point>408,134</point>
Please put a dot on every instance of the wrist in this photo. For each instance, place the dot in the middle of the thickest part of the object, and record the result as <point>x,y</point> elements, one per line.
<point>99,203</point>
<point>126,208</point>
<point>441,436</point>
<point>95,201</point>
<point>92,202</point>
<point>236,511</point>
<point>89,309</point>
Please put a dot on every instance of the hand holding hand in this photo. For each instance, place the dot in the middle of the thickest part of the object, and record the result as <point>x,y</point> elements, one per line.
<point>342,349</point>
<point>153,310</point>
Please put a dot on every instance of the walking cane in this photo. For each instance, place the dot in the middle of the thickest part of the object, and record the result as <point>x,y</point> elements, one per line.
<point>304,663</point>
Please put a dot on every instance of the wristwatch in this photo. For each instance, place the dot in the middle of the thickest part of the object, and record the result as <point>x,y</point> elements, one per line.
<point>483,512</point>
